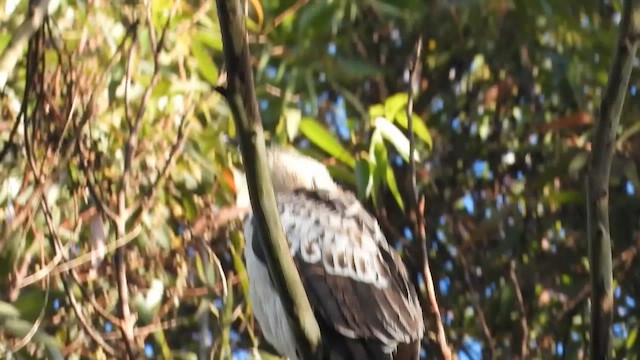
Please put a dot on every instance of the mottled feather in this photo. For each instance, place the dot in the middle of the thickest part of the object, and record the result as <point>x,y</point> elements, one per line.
<point>357,284</point>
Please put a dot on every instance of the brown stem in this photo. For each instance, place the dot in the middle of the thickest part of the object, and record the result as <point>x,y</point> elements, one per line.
<point>417,209</point>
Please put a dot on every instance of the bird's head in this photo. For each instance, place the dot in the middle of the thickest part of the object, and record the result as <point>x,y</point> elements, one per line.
<point>289,170</point>
<point>292,170</point>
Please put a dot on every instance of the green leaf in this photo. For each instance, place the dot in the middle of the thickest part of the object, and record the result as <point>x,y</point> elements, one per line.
<point>161,340</point>
<point>292,118</point>
<point>631,339</point>
<point>8,310</point>
<point>394,104</point>
<point>355,69</point>
<point>309,81</point>
<point>362,178</point>
<point>565,197</point>
<point>31,303</point>
<point>376,110</point>
<point>392,134</point>
<point>20,328</point>
<point>578,163</point>
<point>206,67</point>
<point>376,166</point>
<point>393,186</point>
<point>207,269</point>
<point>322,138</point>
<point>340,173</point>
<point>381,172</point>
<point>317,17</point>
<point>211,39</point>
<point>419,128</point>
<point>189,207</point>
<point>241,270</point>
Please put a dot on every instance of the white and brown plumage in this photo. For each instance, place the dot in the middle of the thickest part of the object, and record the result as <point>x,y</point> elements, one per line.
<point>357,284</point>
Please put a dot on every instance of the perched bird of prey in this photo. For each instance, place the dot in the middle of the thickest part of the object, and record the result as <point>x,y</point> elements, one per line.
<point>357,284</point>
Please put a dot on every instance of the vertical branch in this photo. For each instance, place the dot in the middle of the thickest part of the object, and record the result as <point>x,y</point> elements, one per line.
<point>130,149</point>
<point>417,209</point>
<point>241,96</point>
<point>21,37</point>
<point>598,181</point>
<point>128,322</point>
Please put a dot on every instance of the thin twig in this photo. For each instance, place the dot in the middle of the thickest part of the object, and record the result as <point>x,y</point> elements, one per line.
<point>124,214</point>
<point>177,147</point>
<point>128,321</point>
<point>93,333</point>
<point>287,12</point>
<point>475,301</point>
<point>54,267</point>
<point>524,326</point>
<point>417,207</point>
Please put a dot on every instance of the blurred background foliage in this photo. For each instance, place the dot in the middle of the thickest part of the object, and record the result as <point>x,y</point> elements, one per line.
<point>114,143</point>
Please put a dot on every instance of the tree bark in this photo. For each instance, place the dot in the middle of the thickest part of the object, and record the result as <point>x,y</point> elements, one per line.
<point>602,303</point>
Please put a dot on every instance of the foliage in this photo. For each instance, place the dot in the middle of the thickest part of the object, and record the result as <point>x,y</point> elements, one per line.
<point>110,126</point>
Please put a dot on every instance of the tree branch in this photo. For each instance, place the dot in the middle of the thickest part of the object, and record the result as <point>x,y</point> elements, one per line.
<point>598,181</point>
<point>31,24</point>
<point>240,94</point>
<point>416,209</point>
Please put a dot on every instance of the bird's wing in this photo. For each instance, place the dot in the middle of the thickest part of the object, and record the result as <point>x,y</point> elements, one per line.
<point>355,282</point>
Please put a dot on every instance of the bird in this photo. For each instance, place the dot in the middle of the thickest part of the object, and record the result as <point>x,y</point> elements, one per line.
<point>356,283</point>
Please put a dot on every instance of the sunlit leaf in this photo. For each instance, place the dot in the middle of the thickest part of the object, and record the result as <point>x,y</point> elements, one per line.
<point>292,118</point>
<point>322,138</point>
<point>631,339</point>
<point>419,128</point>
<point>161,339</point>
<point>398,139</point>
<point>376,111</point>
<point>257,7</point>
<point>8,310</point>
<point>395,104</point>
<point>241,271</point>
<point>393,187</point>
<point>380,170</point>
<point>206,67</point>
<point>147,305</point>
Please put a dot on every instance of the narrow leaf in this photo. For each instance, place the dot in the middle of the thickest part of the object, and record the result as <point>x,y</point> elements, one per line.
<point>322,138</point>
<point>398,139</point>
<point>362,178</point>
<point>395,104</point>
<point>206,67</point>
<point>419,128</point>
